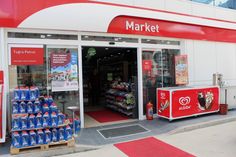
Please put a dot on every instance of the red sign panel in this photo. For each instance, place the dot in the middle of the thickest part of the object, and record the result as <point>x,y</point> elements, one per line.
<point>1,77</point>
<point>163,103</point>
<point>27,56</point>
<point>194,101</point>
<point>147,65</point>
<point>153,27</point>
<point>60,59</point>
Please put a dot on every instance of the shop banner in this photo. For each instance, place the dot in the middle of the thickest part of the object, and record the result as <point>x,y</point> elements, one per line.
<point>27,55</point>
<point>1,77</point>
<point>1,114</point>
<point>181,69</point>
<point>64,71</point>
<point>194,101</point>
<point>147,65</point>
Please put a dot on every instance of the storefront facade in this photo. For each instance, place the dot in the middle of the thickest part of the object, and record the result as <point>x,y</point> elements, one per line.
<point>70,25</point>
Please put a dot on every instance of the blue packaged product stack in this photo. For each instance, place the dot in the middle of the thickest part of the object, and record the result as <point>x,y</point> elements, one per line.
<point>47,137</point>
<point>40,137</point>
<point>68,133</point>
<point>31,121</point>
<point>45,108</point>
<point>53,108</point>
<point>24,122</point>
<point>46,120</point>
<point>17,94</point>
<point>33,93</point>
<point>32,138</point>
<point>61,118</point>
<point>22,107</point>
<point>54,135</point>
<point>61,134</point>
<point>16,140</point>
<point>24,93</point>
<point>37,106</point>
<point>30,107</point>
<point>39,121</point>
<point>25,139</point>
<point>53,119</point>
<point>15,107</point>
<point>50,101</point>
<point>16,122</point>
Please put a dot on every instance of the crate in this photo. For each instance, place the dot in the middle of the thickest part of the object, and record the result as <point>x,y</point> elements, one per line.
<point>44,147</point>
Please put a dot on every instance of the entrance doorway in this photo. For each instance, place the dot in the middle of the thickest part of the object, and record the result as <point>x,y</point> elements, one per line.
<point>109,85</point>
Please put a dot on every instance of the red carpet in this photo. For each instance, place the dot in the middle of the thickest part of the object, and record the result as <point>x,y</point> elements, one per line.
<point>150,147</point>
<point>106,115</point>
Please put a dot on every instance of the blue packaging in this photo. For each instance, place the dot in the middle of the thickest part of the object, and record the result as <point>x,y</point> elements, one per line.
<point>17,94</point>
<point>61,134</point>
<point>61,118</point>
<point>33,93</point>
<point>50,101</point>
<point>53,119</point>
<point>77,126</point>
<point>24,121</point>
<point>31,121</point>
<point>39,121</point>
<point>53,108</point>
<point>16,124</point>
<point>68,133</point>
<point>25,93</point>
<point>30,107</point>
<point>54,135</point>
<point>45,108</point>
<point>47,136</point>
<point>46,120</point>
<point>16,140</point>
<point>40,137</point>
<point>25,139</point>
<point>32,138</point>
<point>37,107</point>
<point>15,107</point>
<point>22,107</point>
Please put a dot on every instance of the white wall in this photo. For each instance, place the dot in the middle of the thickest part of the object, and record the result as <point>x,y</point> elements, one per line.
<point>206,58</point>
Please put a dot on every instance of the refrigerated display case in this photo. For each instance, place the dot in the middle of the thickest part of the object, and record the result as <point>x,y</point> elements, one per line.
<point>180,102</point>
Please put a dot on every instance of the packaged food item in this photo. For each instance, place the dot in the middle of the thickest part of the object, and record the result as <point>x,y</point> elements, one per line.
<point>45,108</point>
<point>16,140</point>
<point>39,121</point>
<point>53,108</point>
<point>32,138</point>
<point>22,107</point>
<point>25,139</point>
<point>40,137</point>
<point>31,121</point>
<point>46,120</point>
<point>47,136</point>
<point>37,106</point>
<point>50,101</point>
<point>54,135</point>
<point>15,107</point>
<point>68,132</point>
<point>30,107</point>
<point>61,134</point>
<point>61,118</point>
<point>17,94</point>
<point>16,124</point>
<point>53,119</point>
<point>24,121</point>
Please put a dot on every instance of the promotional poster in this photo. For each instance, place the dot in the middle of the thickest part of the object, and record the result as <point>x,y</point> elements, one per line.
<point>181,69</point>
<point>64,70</point>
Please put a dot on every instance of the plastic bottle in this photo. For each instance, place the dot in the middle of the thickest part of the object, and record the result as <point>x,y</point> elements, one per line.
<point>16,122</point>
<point>53,119</point>
<point>24,122</point>
<point>39,121</point>
<point>40,137</point>
<point>68,132</point>
<point>16,140</point>
<point>30,107</point>
<point>61,118</point>
<point>25,139</point>
<point>22,107</point>
<point>46,119</point>
<point>32,138</point>
<point>15,108</point>
<point>54,135</point>
<point>31,121</point>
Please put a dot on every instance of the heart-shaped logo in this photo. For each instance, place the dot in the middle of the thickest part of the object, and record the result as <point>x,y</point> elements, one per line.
<point>184,100</point>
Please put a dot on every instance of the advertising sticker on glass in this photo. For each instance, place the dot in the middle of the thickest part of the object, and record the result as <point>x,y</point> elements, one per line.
<point>181,69</point>
<point>64,70</point>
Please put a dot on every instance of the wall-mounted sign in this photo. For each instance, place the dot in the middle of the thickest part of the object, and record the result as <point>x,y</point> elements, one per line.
<point>24,55</point>
<point>64,70</point>
<point>181,69</point>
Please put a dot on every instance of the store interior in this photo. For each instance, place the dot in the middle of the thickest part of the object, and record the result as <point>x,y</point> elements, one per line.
<point>109,85</point>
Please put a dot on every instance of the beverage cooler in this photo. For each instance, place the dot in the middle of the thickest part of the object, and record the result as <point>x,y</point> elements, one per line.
<point>180,102</point>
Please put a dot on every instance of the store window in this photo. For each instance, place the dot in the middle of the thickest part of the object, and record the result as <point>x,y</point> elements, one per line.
<point>158,71</point>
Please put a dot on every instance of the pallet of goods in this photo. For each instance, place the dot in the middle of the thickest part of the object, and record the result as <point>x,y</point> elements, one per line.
<point>37,122</point>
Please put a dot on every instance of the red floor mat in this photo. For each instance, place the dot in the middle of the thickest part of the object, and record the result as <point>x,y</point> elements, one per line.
<point>106,115</point>
<point>150,147</point>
